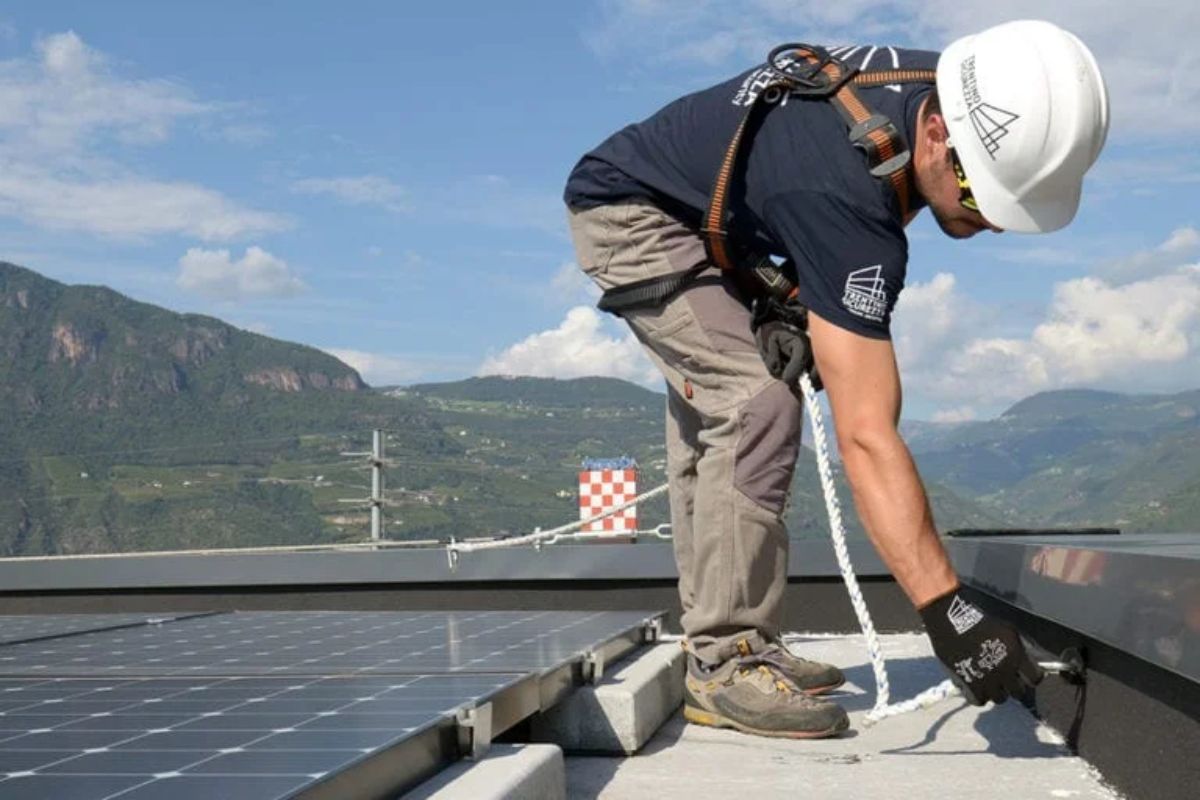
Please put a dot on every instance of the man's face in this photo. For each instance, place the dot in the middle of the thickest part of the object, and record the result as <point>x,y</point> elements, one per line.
<point>940,188</point>
<point>934,169</point>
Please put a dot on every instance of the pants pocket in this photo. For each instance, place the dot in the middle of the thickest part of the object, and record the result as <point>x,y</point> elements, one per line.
<point>679,343</point>
<point>594,233</point>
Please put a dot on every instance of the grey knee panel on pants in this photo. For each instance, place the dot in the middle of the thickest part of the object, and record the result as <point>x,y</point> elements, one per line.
<point>768,445</point>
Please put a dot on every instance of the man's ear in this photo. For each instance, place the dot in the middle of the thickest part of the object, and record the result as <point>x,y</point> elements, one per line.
<point>935,132</point>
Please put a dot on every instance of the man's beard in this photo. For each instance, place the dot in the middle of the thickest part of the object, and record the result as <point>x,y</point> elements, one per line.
<point>945,220</point>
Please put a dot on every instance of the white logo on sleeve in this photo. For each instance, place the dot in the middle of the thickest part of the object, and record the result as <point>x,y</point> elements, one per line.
<point>865,296</point>
<point>963,616</point>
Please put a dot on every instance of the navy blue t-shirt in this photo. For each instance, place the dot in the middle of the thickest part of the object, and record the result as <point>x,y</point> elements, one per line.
<point>808,194</point>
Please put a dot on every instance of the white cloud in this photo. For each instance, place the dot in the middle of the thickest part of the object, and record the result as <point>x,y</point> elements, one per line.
<point>953,415</point>
<point>1040,254</point>
<point>570,285</point>
<point>1152,171</point>
<point>360,190</point>
<point>255,326</point>
<point>1096,331</point>
<point>1180,245</point>
<point>257,273</point>
<point>929,318</point>
<point>379,369</point>
<point>127,207</point>
<point>1148,79</point>
<point>67,112</point>
<point>1182,241</point>
<point>578,347</point>
<point>1137,336</point>
<point>68,93</point>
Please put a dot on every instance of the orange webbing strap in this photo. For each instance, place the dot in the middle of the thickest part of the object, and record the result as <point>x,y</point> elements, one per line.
<point>713,229</point>
<point>881,142</point>
<point>882,77</point>
<point>874,133</point>
<point>878,135</point>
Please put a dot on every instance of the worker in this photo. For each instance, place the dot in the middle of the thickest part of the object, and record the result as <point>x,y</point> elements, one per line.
<point>755,230</point>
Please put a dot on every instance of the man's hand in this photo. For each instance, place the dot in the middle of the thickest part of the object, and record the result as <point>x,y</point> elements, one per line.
<point>781,330</point>
<point>984,655</point>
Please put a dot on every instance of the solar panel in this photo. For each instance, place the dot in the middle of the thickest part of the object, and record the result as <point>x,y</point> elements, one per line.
<point>32,627</point>
<point>227,738</point>
<point>328,643</point>
<point>275,704</point>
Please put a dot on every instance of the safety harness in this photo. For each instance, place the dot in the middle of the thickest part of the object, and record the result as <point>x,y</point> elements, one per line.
<point>805,71</point>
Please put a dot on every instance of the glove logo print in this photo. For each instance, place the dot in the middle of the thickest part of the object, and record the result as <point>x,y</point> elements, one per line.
<point>966,670</point>
<point>864,295</point>
<point>963,616</point>
<point>991,653</point>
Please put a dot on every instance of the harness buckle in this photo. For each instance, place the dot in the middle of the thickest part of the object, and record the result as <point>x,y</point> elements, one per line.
<point>893,164</point>
<point>806,76</point>
<point>860,138</point>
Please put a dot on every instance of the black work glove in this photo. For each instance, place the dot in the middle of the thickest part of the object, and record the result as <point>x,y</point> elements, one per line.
<point>985,655</point>
<point>781,331</point>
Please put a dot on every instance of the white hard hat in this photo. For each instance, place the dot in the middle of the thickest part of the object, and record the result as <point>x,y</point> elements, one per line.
<point>1027,112</point>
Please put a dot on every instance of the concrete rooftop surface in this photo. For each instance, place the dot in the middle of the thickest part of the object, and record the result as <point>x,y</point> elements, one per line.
<point>950,752</point>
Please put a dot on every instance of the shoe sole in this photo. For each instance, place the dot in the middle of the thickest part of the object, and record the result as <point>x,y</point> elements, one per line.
<point>819,690</point>
<point>699,716</point>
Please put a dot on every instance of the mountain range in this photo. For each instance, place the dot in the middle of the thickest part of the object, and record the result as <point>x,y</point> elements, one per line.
<point>130,427</point>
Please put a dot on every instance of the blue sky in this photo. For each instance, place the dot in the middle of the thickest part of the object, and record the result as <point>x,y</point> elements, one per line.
<point>382,180</point>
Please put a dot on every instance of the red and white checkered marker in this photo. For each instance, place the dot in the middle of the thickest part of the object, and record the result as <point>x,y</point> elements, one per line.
<point>603,489</point>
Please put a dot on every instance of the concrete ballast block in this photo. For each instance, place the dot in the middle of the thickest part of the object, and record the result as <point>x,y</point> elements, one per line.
<point>507,772</point>
<point>619,714</point>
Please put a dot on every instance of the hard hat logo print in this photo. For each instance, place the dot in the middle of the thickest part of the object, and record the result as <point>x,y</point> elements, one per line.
<point>990,122</point>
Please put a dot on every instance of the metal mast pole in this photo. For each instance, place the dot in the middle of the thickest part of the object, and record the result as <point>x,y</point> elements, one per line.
<point>376,485</point>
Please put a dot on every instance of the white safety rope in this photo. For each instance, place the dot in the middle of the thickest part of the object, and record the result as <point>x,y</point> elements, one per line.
<point>837,531</point>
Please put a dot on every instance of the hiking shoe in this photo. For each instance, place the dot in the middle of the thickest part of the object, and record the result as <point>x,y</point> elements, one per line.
<point>813,677</point>
<point>753,696</point>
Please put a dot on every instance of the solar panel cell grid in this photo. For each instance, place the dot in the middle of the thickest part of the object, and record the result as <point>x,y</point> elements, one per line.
<point>256,705</point>
<point>32,627</point>
<point>325,643</point>
<point>201,734</point>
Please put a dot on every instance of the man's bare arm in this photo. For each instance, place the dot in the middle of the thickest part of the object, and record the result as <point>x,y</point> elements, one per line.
<point>863,387</point>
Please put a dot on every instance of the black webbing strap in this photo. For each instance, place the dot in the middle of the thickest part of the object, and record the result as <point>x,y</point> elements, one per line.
<point>648,293</point>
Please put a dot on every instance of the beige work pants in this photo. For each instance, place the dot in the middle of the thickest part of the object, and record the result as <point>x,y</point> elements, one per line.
<point>733,431</point>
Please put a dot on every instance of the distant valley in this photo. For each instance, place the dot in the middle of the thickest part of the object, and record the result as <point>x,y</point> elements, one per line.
<point>129,427</point>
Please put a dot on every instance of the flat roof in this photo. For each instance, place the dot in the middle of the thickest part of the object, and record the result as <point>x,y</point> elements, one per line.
<point>561,562</point>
